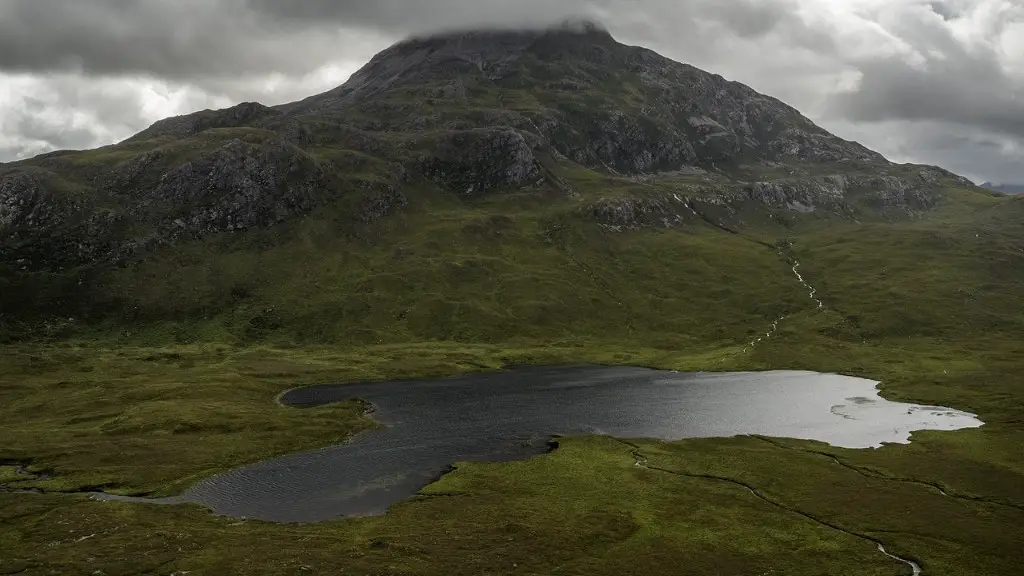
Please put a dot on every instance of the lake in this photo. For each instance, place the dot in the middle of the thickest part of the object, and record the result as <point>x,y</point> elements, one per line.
<point>431,424</point>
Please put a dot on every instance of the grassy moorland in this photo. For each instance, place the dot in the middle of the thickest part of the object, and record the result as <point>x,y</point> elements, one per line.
<point>182,384</point>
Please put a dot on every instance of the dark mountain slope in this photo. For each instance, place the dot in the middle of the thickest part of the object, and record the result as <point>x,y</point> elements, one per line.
<point>598,102</point>
<point>565,127</point>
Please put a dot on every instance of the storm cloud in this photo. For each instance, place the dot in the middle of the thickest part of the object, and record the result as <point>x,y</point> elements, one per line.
<point>925,81</point>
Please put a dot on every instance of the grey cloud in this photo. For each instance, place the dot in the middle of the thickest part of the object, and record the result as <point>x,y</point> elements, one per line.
<point>183,39</point>
<point>197,39</point>
<point>968,150</point>
<point>745,18</point>
<point>72,112</point>
<point>225,51</point>
<point>403,17</point>
<point>951,82</point>
<point>33,126</point>
<point>944,9</point>
<point>976,156</point>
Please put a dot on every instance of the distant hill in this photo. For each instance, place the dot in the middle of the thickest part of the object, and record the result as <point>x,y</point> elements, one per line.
<point>1004,188</point>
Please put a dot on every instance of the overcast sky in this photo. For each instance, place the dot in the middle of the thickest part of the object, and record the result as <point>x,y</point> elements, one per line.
<point>937,82</point>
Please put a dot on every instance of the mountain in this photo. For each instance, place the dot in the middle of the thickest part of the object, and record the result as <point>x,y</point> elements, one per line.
<point>1008,189</point>
<point>560,123</point>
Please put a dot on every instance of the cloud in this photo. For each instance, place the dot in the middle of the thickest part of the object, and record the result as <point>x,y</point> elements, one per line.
<point>933,81</point>
<point>403,17</point>
<point>196,39</point>
<point>67,111</point>
<point>975,153</point>
<point>180,40</point>
<point>956,72</point>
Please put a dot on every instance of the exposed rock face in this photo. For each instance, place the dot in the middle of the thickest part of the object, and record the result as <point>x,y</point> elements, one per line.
<point>688,205</point>
<point>724,119</point>
<point>477,161</point>
<point>617,142</point>
<point>839,195</point>
<point>29,205</point>
<point>19,197</point>
<point>41,228</point>
<point>903,193</point>
<point>237,186</point>
<point>816,146</point>
<point>383,200</point>
<point>234,187</point>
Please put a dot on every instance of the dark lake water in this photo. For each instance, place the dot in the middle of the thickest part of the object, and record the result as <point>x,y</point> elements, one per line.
<point>511,415</point>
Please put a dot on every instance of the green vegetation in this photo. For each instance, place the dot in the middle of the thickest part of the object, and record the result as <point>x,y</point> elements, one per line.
<point>151,401</point>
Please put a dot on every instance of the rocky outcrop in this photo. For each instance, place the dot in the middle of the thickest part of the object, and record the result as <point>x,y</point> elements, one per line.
<point>478,161</point>
<point>844,195</point>
<point>19,201</point>
<point>616,141</point>
<point>44,227</point>
<point>687,205</point>
<point>814,146</point>
<point>135,173</point>
<point>237,186</point>
<point>380,201</point>
<point>835,193</point>
<point>35,203</point>
<point>632,213</point>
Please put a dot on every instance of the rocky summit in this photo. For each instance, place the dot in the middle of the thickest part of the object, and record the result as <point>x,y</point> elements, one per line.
<point>626,137</point>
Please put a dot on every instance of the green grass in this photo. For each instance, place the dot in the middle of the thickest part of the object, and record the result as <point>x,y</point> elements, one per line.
<point>9,474</point>
<point>179,383</point>
<point>583,509</point>
<point>488,273</point>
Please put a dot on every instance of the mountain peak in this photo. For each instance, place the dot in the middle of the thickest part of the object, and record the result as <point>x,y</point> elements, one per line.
<point>598,102</point>
<point>420,59</point>
<point>578,29</point>
<point>487,47</point>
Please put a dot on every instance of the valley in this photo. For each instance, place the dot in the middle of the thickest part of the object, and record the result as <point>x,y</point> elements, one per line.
<point>476,203</point>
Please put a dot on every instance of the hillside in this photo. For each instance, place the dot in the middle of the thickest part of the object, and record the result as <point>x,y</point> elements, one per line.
<point>472,201</point>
